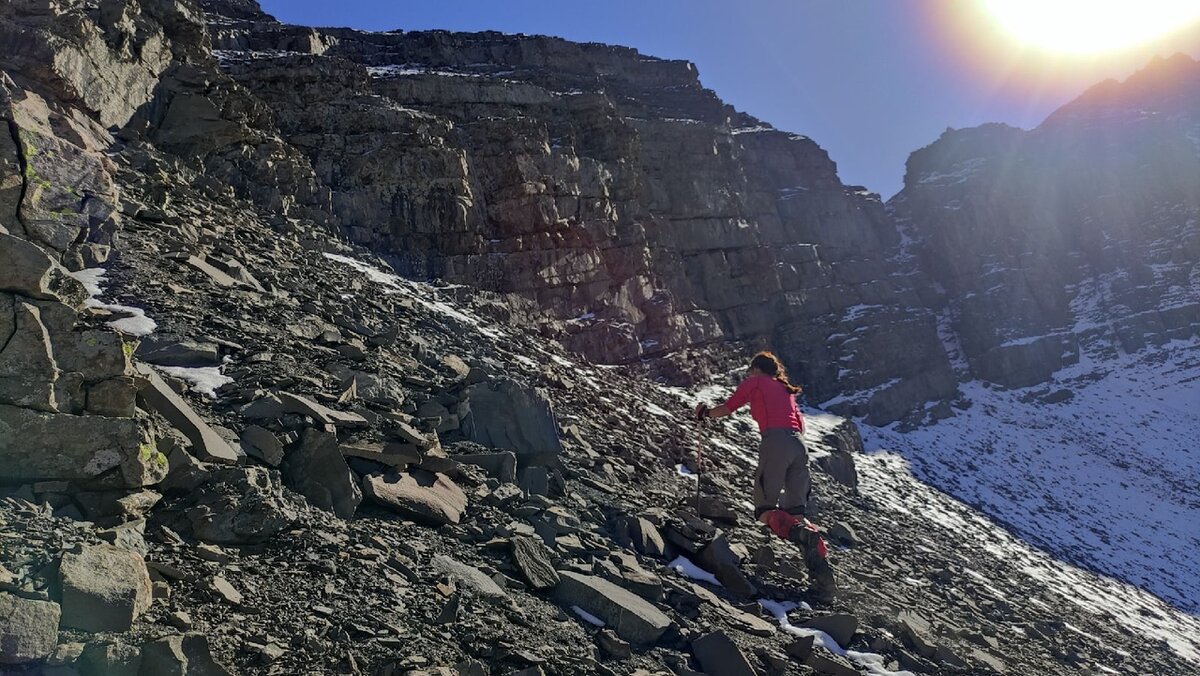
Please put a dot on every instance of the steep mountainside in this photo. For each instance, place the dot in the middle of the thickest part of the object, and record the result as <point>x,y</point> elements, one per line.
<point>1070,260</point>
<point>1082,235</point>
<point>629,202</point>
<point>242,430</point>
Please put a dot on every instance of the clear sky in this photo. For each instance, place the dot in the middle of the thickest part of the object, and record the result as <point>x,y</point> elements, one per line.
<point>869,80</point>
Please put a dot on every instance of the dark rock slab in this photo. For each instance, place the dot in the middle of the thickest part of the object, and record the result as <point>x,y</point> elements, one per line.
<point>718,654</point>
<point>425,497</point>
<point>633,618</point>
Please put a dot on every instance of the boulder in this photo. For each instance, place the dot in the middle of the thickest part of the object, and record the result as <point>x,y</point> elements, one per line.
<point>36,445</point>
<point>425,497</point>
<point>915,632</point>
<point>507,415</point>
<point>294,403</point>
<point>533,560</point>
<point>633,618</point>
<point>163,349</point>
<point>240,505</point>
<point>839,465</point>
<point>156,395</point>
<point>27,368</point>
<point>110,659</point>
<point>826,664</point>
<point>646,538</point>
<point>501,466</point>
<point>115,397</point>
<point>470,577</point>
<point>27,270</point>
<point>840,627</point>
<point>718,654</point>
<point>28,629</point>
<point>261,443</point>
<point>318,471</point>
<point>186,655</point>
<point>104,588</point>
<point>718,559</point>
<point>390,454</point>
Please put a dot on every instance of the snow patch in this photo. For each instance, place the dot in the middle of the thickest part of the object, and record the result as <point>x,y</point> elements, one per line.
<point>134,323</point>
<point>686,568</point>
<point>205,380</point>
<point>588,617</point>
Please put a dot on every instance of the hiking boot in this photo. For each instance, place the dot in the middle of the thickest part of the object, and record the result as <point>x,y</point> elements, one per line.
<point>823,589</point>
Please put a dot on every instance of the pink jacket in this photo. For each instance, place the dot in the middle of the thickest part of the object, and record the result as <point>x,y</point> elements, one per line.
<point>771,405</point>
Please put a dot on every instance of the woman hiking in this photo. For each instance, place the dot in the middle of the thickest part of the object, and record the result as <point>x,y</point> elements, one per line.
<point>782,464</point>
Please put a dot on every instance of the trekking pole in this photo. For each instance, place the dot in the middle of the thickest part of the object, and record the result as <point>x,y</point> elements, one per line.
<point>699,460</point>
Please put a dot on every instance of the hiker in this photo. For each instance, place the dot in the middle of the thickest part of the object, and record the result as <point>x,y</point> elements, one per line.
<point>782,464</point>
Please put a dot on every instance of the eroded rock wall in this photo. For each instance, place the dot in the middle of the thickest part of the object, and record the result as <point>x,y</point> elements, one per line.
<point>1079,235</point>
<point>638,211</point>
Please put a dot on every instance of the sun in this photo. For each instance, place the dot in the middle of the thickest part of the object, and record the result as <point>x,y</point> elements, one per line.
<point>1084,27</point>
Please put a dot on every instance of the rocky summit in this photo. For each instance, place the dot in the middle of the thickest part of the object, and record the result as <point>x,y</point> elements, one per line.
<point>327,351</point>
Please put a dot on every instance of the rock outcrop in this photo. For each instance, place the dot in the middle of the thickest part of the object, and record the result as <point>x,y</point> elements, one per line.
<point>1077,237</point>
<point>639,212</point>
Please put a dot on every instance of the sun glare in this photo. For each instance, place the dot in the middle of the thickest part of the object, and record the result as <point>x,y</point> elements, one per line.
<point>1091,26</point>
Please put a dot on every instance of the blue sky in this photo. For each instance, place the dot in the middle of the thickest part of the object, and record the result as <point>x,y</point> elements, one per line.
<point>869,80</point>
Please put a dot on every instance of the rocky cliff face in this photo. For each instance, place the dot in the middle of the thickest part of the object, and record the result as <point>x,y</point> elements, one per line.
<point>640,213</point>
<point>1077,237</point>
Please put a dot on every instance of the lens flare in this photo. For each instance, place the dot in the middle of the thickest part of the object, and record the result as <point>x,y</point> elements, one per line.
<point>1083,27</point>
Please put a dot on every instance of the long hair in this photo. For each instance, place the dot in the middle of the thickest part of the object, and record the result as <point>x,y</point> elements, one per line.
<point>770,365</point>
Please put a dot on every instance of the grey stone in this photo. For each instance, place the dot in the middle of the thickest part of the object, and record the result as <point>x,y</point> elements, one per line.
<point>914,631</point>
<point>110,659</point>
<point>104,588</point>
<point>646,538</point>
<point>35,445</point>
<point>717,558</point>
<point>391,454</point>
<point>28,629</point>
<point>317,470</point>
<point>830,665</point>
<point>167,350</point>
<point>501,466</point>
<point>223,590</point>
<point>428,498</point>
<point>294,403</point>
<point>718,654</point>
<point>843,534</point>
<point>533,560</point>
<point>158,396</point>
<point>240,505</point>
<point>470,577</point>
<point>262,443</point>
<point>114,397</point>
<point>506,415</point>
<point>186,655</point>
<point>27,367</point>
<point>840,627</point>
<point>633,618</point>
<point>27,270</point>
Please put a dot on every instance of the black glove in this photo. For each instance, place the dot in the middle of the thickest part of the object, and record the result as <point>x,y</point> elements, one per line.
<point>701,411</point>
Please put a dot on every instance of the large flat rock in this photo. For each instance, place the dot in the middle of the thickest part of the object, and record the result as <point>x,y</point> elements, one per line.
<point>425,497</point>
<point>319,472</point>
<point>206,443</point>
<point>507,415</point>
<point>633,618</point>
<point>36,445</point>
<point>104,588</point>
<point>28,629</point>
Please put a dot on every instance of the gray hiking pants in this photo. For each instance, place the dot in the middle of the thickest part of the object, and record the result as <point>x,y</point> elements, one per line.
<point>782,468</point>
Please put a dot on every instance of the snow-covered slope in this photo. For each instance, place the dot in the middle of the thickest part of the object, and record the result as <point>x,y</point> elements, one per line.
<point>1109,479</point>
